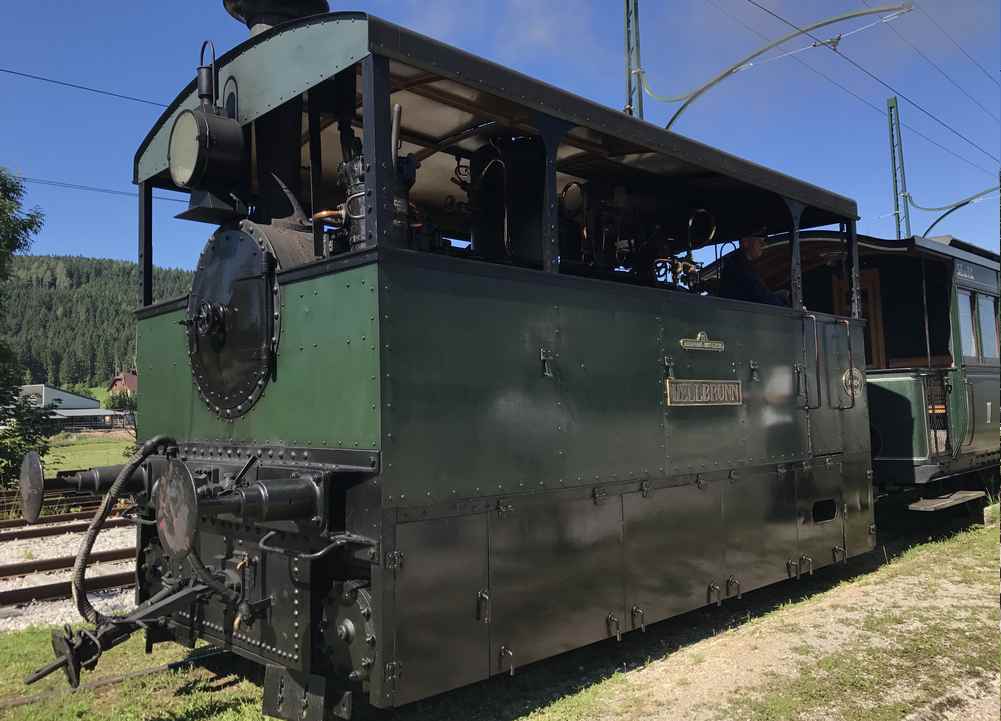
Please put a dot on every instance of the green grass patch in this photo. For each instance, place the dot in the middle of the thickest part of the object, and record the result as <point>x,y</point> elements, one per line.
<point>193,693</point>
<point>70,451</point>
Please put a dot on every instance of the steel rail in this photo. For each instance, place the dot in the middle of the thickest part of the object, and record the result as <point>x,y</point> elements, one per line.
<point>51,530</point>
<point>62,589</point>
<point>54,518</point>
<point>15,496</point>
<point>37,565</point>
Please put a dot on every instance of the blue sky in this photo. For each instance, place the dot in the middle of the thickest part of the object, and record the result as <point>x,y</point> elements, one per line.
<point>779,114</point>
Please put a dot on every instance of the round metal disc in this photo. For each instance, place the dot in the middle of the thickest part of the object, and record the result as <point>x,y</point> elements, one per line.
<point>177,510</point>
<point>232,320</point>
<point>32,484</point>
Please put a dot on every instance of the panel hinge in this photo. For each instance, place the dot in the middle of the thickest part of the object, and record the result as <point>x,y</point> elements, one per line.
<point>599,495</point>
<point>394,560</point>
<point>669,366</point>
<point>394,669</point>
<point>547,357</point>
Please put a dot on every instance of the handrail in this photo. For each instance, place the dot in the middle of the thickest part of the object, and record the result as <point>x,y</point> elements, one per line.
<point>339,541</point>
<point>816,344</point>
<point>971,411</point>
<point>851,366</point>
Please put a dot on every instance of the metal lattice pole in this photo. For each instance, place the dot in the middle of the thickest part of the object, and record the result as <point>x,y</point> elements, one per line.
<point>901,206</point>
<point>634,68</point>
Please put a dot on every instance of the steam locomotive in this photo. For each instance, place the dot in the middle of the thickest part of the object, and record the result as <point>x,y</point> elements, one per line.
<point>449,394</point>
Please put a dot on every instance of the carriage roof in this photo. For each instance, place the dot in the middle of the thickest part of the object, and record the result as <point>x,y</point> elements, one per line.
<point>444,87</point>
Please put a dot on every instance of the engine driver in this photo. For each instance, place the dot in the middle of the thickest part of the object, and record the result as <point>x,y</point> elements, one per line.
<point>738,278</point>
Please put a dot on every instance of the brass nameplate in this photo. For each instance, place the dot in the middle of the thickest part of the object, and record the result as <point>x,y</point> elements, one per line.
<point>701,342</point>
<point>679,392</point>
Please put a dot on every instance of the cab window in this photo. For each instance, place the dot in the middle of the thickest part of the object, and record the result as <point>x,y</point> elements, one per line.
<point>987,313</point>
<point>966,324</point>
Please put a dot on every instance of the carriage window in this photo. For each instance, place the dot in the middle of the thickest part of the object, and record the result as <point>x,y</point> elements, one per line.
<point>987,313</point>
<point>966,324</point>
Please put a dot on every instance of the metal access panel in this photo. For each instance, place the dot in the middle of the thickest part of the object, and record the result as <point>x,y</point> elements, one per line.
<point>610,371</point>
<point>555,577</point>
<point>717,344</point>
<point>838,406</point>
<point>820,511</point>
<point>441,617</point>
<point>673,549</point>
<point>858,506</point>
<point>759,514</point>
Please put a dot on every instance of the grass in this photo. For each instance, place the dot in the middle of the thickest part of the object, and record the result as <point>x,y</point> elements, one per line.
<point>85,450</point>
<point>893,662</point>
<point>918,656</point>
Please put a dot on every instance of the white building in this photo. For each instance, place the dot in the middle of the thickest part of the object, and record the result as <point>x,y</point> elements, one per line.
<point>42,394</point>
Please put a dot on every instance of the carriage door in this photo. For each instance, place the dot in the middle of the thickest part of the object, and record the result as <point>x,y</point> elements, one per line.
<point>832,381</point>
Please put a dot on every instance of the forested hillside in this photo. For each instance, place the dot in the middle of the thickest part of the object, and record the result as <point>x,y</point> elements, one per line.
<point>70,319</point>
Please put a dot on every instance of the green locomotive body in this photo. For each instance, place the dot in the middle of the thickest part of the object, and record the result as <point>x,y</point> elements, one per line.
<point>437,440</point>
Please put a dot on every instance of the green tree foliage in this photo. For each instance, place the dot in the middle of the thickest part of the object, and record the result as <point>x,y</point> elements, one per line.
<point>73,321</point>
<point>122,401</point>
<point>22,426</point>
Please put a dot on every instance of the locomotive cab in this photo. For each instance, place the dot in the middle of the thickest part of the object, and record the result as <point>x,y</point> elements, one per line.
<point>448,359</point>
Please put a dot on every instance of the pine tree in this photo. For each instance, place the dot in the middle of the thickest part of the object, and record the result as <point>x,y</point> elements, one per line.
<point>23,427</point>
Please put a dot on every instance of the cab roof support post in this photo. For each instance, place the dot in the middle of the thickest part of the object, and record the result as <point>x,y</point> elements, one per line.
<point>315,170</point>
<point>552,132</point>
<point>376,141</point>
<point>796,265</point>
<point>145,244</point>
<point>856,272</point>
<point>924,308</point>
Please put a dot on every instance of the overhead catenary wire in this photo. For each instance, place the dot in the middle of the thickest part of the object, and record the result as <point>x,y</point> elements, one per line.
<point>885,84</point>
<point>758,63</point>
<point>942,72</point>
<point>971,199</point>
<point>706,87</point>
<point>955,42</point>
<point>855,95</point>
<point>93,189</point>
<point>75,86</point>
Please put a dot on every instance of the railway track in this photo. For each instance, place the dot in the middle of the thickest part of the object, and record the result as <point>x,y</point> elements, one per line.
<point>61,589</point>
<point>55,518</point>
<point>44,531</point>
<point>57,525</point>
<point>38,565</point>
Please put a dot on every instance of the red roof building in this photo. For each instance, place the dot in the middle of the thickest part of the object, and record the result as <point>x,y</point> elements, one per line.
<point>124,383</point>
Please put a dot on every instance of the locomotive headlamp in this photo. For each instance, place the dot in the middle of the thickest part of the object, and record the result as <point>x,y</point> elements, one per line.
<point>205,151</point>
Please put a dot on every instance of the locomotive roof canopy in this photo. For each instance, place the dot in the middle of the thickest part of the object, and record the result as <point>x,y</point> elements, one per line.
<point>445,90</point>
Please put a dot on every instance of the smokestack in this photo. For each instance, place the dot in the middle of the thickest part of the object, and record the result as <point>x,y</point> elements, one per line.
<point>261,15</point>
